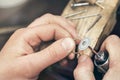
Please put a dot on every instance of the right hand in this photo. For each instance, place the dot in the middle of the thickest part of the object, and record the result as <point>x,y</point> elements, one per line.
<point>84,70</point>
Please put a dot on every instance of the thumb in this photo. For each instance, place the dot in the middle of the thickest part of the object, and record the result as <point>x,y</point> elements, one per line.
<point>55,52</point>
<point>112,45</point>
<point>84,69</point>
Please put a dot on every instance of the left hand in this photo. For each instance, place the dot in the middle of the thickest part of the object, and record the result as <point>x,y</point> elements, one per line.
<point>19,59</point>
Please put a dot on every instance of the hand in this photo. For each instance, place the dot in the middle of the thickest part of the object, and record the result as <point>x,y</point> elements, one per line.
<point>84,70</point>
<point>19,59</point>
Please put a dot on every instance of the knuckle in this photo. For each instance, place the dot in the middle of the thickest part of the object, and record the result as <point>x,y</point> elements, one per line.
<point>57,17</point>
<point>29,29</point>
<point>55,27</point>
<point>20,30</point>
<point>48,15</point>
<point>37,19</point>
<point>112,38</point>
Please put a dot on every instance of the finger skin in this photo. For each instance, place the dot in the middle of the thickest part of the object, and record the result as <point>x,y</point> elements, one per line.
<point>112,74</point>
<point>55,52</point>
<point>84,69</point>
<point>61,21</point>
<point>19,58</point>
<point>28,67</point>
<point>71,56</point>
<point>112,45</point>
<point>52,19</point>
<point>25,39</point>
<point>46,19</point>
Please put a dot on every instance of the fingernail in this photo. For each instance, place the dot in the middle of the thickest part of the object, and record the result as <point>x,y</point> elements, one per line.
<point>83,58</point>
<point>68,44</point>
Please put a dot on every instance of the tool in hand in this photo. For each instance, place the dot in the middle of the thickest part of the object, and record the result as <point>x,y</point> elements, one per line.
<point>84,43</point>
<point>101,60</point>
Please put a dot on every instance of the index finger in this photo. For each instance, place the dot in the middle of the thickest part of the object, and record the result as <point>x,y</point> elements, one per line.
<point>26,39</point>
<point>51,19</point>
<point>59,20</point>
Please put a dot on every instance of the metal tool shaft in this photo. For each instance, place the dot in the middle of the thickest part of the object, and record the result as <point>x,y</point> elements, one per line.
<point>74,5</point>
<point>97,19</point>
<point>101,60</point>
<point>73,14</point>
<point>82,17</point>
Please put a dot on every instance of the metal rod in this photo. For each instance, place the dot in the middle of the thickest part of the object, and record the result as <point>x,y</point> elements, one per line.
<point>73,14</point>
<point>97,19</point>
<point>99,5</point>
<point>73,5</point>
<point>100,1</point>
<point>82,17</point>
<point>92,50</point>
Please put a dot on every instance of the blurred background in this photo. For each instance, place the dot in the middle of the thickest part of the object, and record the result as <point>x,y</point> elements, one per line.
<point>15,14</point>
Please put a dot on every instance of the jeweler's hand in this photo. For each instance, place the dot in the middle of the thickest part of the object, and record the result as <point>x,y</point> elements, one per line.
<point>19,59</point>
<point>84,70</point>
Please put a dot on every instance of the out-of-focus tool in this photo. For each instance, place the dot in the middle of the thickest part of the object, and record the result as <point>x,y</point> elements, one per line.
<point>74,5</point>
<point>101,60</point>
<point>96,20</point>
<point>100,1</point>
<point>86,3</point>
<point>87,16</point>
<point>76,13</point>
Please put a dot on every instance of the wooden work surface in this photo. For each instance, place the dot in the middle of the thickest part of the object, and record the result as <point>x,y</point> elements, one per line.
<point>101,29</point>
